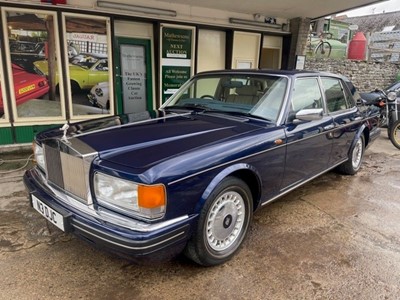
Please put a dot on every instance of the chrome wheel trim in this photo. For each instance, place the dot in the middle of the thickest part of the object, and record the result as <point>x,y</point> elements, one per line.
<point>357,154</point>
<point>225,221</point>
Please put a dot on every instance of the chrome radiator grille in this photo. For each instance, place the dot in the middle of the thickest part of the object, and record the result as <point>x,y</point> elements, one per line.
<point>53,166</point>
<point>74,175</point>
<point>69,172</point>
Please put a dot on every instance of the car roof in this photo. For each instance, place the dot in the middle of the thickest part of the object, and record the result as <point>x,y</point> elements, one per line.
<point>289,73</point>
<point>95,55</point>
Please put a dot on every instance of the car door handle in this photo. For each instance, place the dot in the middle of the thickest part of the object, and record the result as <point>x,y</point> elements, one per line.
<point>329,127</point>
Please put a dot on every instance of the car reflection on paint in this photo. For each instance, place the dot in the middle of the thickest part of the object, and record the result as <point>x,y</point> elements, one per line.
<point>27,86</point>
<point>189,176</point>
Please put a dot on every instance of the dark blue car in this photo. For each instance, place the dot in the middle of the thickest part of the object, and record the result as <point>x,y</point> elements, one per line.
<point>189,176</point>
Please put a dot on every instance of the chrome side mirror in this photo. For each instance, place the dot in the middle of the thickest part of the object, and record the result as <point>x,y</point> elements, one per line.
<point>305,115</point>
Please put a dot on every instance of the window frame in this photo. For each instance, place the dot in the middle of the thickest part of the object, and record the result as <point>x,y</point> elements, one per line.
<point>5,119</point>
<point>107,21</point>
<point>39,119</point>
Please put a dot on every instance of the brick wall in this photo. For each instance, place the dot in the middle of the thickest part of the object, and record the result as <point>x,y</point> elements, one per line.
<point>366,76</point>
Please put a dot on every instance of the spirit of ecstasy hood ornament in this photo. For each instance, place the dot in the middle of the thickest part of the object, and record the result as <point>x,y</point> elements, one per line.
<point>64,129</point>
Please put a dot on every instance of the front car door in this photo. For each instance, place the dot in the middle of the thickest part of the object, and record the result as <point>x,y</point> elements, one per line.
<point>308,144</point>
<point>98,72</point>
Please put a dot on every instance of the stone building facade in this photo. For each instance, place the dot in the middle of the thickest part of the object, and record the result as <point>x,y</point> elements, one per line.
<point>366,76</point>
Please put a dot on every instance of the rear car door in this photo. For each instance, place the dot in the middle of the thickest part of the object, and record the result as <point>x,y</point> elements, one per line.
<point>308,143</point>
<point>346,117</point>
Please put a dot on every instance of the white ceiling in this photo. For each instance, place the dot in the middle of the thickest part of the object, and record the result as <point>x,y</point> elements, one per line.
<point>279,8</point>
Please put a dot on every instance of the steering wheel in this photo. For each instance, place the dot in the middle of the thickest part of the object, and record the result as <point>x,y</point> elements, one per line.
<point>207,96</point>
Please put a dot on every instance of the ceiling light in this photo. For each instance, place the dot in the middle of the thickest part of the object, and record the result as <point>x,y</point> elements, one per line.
<point>137,8</point>
<point>254,23</point>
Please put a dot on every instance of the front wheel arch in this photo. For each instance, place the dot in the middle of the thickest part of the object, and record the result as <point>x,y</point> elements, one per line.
<point>75,87</point>
<point>245,172</point>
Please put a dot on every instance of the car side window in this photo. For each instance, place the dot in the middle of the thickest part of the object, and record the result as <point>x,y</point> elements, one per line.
<point>351,94</point>
<point>306,94</point>
<point>335,94</point>
<point>103,66</point>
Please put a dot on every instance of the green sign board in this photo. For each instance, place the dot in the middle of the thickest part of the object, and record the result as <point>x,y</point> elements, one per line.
<point>176,43</point>
<point>176,59</point>
<point>173,78</point>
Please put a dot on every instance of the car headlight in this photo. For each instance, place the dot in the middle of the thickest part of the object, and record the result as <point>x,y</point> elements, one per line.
<point>148,201</point>
<point>39,156</point>
<point>99,92</point>
<point>391,96</point>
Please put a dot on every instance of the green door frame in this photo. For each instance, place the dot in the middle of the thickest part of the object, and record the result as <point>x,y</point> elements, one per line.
<point>149,76</point>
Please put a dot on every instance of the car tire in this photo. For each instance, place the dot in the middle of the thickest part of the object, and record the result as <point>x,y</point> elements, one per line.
<point>223,223</point>
<point>75,88</point>
<point>353,164</point>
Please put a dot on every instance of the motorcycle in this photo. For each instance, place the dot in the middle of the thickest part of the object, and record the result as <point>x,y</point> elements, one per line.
<point>389,106</point>
<point>377,98</point>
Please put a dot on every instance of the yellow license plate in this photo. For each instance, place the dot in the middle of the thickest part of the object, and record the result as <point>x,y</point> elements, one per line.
<point>26,89</point>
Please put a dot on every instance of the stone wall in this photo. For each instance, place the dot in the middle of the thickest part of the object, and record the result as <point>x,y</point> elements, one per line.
<point>299,28</point>
<point>366,76</point>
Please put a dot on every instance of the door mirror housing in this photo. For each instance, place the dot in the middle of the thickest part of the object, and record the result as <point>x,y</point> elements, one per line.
<point>306,115</point>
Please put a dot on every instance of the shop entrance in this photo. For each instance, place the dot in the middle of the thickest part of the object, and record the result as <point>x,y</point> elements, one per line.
<point>271,52</point>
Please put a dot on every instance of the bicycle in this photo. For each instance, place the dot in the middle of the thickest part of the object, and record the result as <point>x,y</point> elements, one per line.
<point>323,48</point>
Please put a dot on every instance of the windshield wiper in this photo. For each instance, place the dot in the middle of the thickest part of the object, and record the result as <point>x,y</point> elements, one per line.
<point>205,109</point>
<point>190,106</point>
<point>246,114</point>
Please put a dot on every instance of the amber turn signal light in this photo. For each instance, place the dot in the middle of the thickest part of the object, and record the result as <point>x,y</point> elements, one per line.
<point>151,196</point>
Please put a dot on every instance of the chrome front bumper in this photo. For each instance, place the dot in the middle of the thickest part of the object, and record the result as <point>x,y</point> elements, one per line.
<point>107,229</point>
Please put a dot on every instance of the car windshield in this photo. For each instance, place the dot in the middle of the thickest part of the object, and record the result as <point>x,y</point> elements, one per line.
<point>257,95</point>
<point>84,61</point>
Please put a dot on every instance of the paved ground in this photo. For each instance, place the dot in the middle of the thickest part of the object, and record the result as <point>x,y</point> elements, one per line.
<point>337,237</point>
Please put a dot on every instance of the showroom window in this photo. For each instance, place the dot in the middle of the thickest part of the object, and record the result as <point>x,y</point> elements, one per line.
<point>33,52</point>
<point>88,50</point>
<point>48,83</point>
